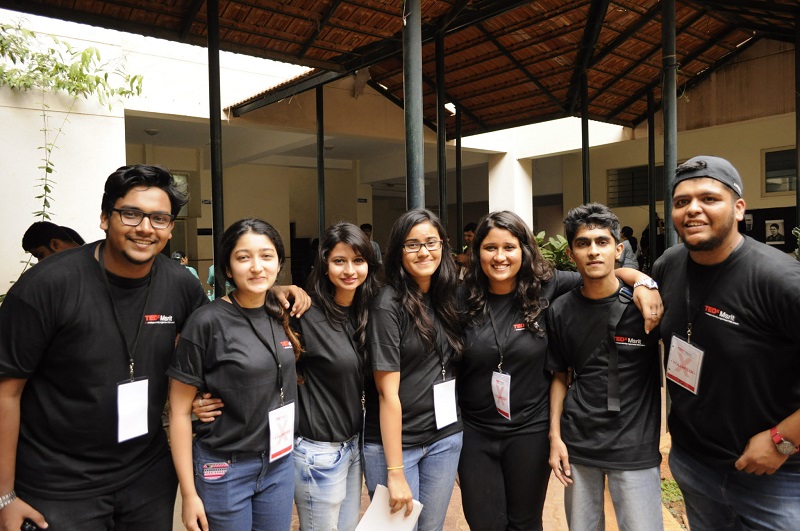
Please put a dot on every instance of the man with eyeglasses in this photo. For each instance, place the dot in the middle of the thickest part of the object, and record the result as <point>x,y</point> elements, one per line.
<point>88,337</point>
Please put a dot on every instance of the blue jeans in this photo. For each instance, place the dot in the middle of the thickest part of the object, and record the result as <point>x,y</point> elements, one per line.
<point>251,493</point>
<point>430,471</point>
<point>636,495</point>
<point>327,484</point>
<point>721,499</point>
<point>146,503</point>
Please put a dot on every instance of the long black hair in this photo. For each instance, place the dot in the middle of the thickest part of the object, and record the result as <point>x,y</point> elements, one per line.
<point>444,281</point>
<point>228,244</point>
<point>323,291</point>
<point>532,272</point>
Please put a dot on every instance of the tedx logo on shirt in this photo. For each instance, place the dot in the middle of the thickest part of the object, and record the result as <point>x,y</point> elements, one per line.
<point>158,319</point>
<point>286,344</point>
<point>519,327</point>
<point>629,341</point>
<point>722,315</point>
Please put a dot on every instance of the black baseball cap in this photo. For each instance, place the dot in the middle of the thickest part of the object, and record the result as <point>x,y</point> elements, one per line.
<point>712,167</point>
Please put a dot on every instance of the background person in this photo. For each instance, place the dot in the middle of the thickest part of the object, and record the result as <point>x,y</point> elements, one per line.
<point>181,258</point>
<point>237,473</point>
<point>43,239</point>
<point>376,249</point>
<point>414,338</point>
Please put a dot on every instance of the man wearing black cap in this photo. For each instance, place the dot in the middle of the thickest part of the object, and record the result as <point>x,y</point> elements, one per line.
<point>734,377</point>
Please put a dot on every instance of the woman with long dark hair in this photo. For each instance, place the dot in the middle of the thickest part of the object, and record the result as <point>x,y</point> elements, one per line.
<point>236,474</point>
<point>503,387</point>
<point>331,368</point>
<point>413,429</point>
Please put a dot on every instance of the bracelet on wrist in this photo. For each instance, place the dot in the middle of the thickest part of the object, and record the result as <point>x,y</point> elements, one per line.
<point>6,499</point>
<point>395,467</point>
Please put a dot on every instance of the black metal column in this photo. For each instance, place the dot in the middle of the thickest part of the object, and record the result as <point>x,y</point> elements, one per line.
<point>669,99</point>
<point>320,160</point>
<point>215,125</point>
<point>412,95</point>
<point>585,138</point>
<point>441,129</point>
<point>459,184</point>
<point>651,176</point>
<point>796,120</point>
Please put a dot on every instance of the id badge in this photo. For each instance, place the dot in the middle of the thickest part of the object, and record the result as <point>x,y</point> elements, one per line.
<point>444,403</point>
<point>684,364</point>
<point>131,409</point>
<point>501,391</point>
<point>281,431</point>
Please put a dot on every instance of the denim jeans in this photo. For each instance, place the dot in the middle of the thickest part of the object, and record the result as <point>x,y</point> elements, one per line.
<point>327,484</point>
<point>720,499</point>
<point>146,503</point>
<point>252,493</point>
<point>636,495</point>
<point>430,471</point>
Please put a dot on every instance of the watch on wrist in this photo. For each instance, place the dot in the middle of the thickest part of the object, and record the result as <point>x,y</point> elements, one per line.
<point>784,447</point>
<point>647,282</point>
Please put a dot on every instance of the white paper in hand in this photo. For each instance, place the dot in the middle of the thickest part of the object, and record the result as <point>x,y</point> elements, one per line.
<point>380,518</point>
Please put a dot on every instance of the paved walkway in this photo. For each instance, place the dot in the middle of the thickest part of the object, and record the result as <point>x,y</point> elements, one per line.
<point>553,517</point>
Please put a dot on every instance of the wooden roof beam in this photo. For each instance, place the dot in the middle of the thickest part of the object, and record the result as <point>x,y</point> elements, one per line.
<point>320,26</point>
<point>397,101</point>
<point>630,32</point>
<point>191,14</point>
<point>520,67</point>
<point>591,33</point>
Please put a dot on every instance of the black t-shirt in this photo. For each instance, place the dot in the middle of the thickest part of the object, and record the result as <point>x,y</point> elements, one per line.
<point>621,440</point>
<point>524,359</point>
<point>57,329</point>
<point>396,346</point>
<point>219,353</point>
<point>329,399</point>
<point>746,314</point>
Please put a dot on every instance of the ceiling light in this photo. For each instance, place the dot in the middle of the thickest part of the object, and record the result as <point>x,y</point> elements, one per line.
<point>151,131</point>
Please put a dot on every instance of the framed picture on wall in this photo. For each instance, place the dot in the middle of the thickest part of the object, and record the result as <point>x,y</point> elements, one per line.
<point>774,233</point>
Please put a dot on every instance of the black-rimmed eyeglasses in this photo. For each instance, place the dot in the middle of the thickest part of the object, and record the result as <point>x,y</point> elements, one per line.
<point>414,247</point>
<point>132,218</point>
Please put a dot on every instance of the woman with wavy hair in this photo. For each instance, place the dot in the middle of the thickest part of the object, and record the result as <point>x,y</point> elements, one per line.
<point>236,474</point>
<point>331,368</point>
<point>413,429</point>
<point>503,387</point>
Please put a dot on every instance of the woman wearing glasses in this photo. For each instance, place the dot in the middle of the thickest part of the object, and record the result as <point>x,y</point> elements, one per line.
<point>238,471</point>
<point>413,429</point>
<point>503,387</point>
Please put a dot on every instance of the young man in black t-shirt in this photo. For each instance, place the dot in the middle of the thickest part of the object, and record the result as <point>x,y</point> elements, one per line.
<point>606,424</point>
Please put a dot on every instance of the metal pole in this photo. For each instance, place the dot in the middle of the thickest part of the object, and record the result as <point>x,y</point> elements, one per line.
<point>459,184</point>
<point>412,96</point>
<point>320,160</point>
<point>796,121</point>
<point>651,176</point>
<point>441,129</point>
<point>215,126</point>
<point>668,106</point>
<point>585,138</point>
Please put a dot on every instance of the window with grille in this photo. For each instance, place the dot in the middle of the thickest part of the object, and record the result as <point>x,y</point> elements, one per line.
<point>628,186</point>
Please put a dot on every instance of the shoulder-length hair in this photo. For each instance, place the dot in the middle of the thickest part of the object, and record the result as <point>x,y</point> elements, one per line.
<point>228,244</point>
<point>444,281</point>
<point>533,270</point>
<point>323,291</point>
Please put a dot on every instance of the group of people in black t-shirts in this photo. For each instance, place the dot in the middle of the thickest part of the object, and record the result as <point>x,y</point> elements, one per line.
<point>385,354</point>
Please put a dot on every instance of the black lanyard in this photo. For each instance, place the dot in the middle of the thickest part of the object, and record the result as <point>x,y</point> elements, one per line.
<point>273,351</point>
<point>500,344</point>
<point>692,315</point>
<point>130,351</point>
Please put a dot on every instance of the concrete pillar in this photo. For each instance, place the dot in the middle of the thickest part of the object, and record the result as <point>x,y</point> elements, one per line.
<point>511,185</point>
